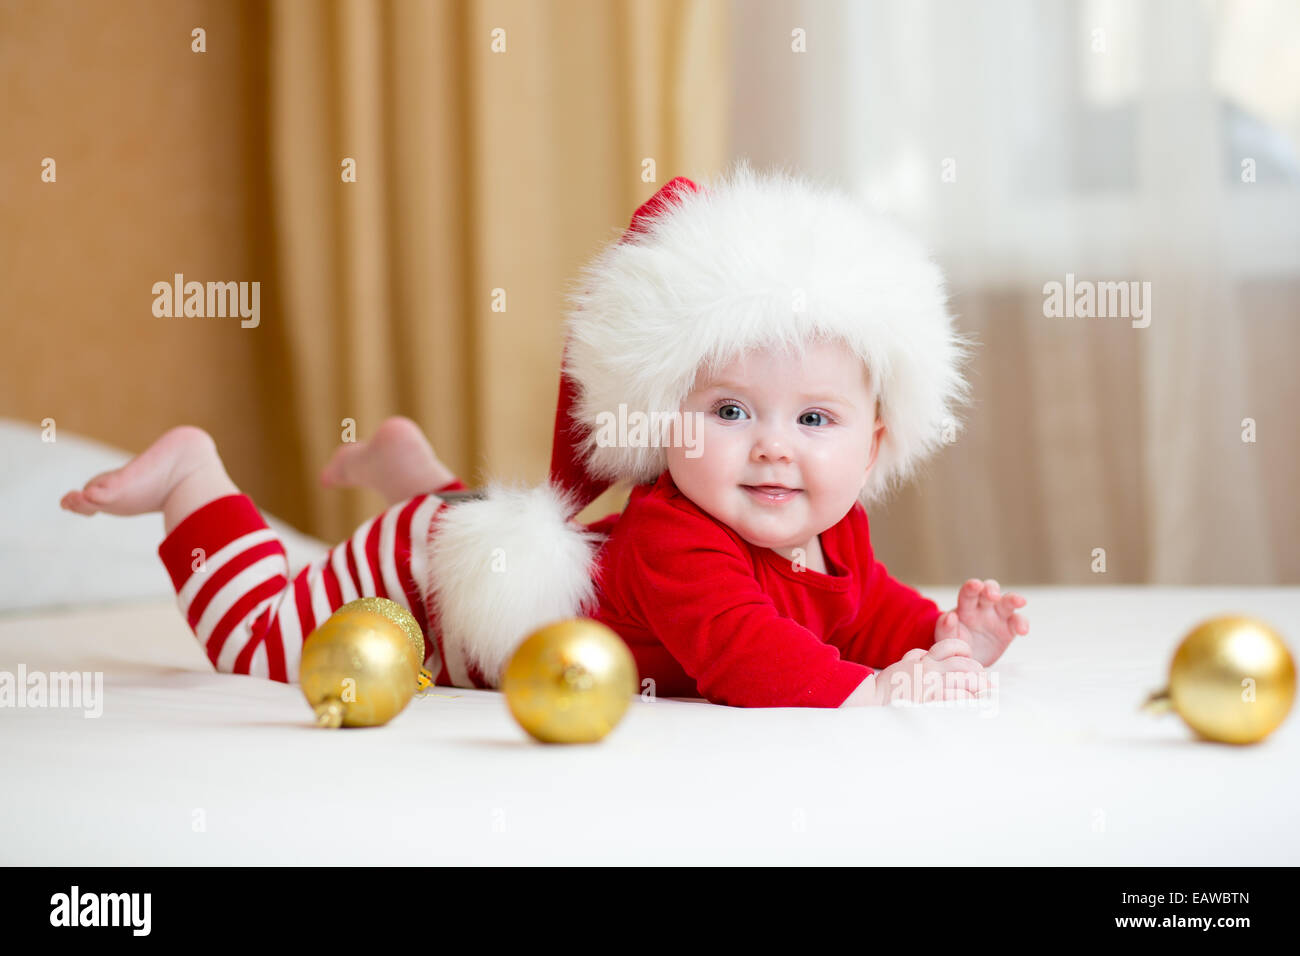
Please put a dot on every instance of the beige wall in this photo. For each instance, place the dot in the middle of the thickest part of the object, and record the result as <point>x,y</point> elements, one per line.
<point>156,150</point>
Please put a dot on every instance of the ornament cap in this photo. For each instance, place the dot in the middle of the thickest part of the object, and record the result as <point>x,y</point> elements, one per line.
<point>329,713</point>
<point>1158,703</point>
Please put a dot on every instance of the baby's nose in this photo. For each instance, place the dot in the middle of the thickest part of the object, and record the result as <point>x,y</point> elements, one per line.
<point>771,447</point>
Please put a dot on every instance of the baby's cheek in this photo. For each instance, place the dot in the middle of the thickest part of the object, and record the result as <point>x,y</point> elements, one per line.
<point>833,476</point>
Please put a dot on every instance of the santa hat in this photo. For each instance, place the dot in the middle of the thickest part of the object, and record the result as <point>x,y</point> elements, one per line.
<point>700,276</point>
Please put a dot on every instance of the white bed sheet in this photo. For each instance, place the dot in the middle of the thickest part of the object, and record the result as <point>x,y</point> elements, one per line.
<point>1065,771</point>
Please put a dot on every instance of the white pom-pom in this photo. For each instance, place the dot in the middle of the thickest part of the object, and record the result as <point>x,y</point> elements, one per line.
<point>502,566</point>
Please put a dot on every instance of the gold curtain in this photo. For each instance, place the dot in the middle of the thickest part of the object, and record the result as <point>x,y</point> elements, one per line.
<point>496,145</point>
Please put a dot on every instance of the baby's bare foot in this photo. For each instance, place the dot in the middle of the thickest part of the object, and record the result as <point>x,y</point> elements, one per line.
<point>143,484</point>
<point>397,461</point>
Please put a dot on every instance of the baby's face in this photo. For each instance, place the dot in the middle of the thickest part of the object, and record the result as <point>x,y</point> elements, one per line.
<point>771,419</point>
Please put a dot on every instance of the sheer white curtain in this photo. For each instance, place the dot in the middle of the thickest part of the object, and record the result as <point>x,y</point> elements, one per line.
<point>1028,142</point>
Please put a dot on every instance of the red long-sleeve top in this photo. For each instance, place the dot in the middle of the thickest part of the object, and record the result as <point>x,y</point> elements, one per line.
<point>706,614</point>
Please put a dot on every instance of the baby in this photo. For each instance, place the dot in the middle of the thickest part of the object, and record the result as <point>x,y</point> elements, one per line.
<point>741,569</point>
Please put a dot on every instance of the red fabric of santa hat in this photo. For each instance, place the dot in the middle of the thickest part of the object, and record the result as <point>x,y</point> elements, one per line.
<point>568,469</point>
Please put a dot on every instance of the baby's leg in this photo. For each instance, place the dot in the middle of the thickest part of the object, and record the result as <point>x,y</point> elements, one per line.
<point>252,614</point>
<point>231,573</point>
<point>397,461</point>
<point>177,475</point>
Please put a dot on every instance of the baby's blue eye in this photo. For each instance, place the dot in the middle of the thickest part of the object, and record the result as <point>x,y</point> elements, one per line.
<point>729,418</point>
<point>818,414</point>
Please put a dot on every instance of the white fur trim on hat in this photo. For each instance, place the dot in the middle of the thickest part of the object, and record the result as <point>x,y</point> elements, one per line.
<point>763,260</point>
<point>502,566</point>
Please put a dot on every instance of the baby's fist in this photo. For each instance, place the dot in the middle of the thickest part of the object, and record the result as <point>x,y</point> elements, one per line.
<point>944,672</point>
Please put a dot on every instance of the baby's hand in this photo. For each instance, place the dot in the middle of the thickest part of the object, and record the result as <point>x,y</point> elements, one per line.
<point>983,618</point>
<point>945,672</point>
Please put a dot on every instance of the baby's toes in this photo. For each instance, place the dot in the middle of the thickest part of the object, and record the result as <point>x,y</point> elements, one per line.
<point>102,489</point>
<point>339,472</point>
<point>75,501</point>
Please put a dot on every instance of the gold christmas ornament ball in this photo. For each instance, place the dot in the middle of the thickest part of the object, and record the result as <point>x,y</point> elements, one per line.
<point>395,613</point>
<point>358,669</point>
<point>1232,680</point>
<point>570,682</point>
<point>403,619</point>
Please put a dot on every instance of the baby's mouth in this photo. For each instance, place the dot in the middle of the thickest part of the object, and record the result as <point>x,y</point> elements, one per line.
<point>772,493</point>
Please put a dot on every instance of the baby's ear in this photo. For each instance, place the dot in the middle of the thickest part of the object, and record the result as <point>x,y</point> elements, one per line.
<point>876,437</point>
